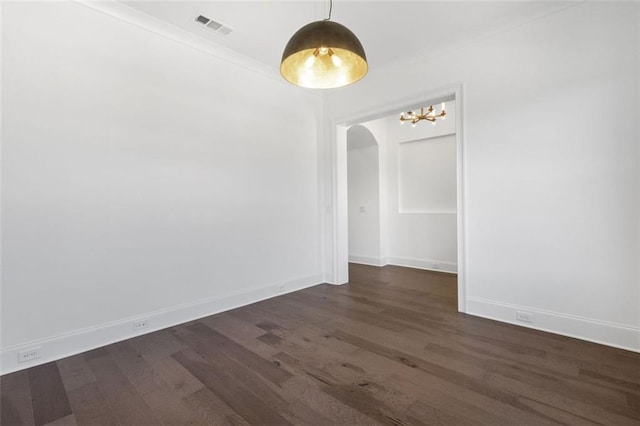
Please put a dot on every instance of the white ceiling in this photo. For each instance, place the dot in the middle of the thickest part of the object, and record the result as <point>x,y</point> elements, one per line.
<point>388,30</point>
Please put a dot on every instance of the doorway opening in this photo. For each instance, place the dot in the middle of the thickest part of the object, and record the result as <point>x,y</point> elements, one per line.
<point>400,191</point>
<point>364,197</point>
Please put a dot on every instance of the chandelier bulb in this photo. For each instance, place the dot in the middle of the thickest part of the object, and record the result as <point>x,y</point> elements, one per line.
<point>429,115</point>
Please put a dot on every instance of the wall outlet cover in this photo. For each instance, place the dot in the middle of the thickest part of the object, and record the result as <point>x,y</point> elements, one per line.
<point>524,316</point>
<point>29,355</point>
<point>140,325</point>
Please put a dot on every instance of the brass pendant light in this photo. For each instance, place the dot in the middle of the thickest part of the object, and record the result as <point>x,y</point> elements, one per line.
<point>323,55</point>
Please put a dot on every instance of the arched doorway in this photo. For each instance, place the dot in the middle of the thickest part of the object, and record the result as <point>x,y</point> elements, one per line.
<point>363,195</point>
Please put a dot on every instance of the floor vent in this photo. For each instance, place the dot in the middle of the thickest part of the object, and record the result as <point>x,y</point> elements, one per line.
<point>216,26</point>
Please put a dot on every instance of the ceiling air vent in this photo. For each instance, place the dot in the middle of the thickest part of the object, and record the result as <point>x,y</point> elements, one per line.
<point>216,26</point>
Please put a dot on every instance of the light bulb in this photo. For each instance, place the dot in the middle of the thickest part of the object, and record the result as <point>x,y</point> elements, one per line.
<point>323,50</point>
<point>309,62</point>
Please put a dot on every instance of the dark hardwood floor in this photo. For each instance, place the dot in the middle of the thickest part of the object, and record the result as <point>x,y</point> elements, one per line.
<point>388,348</point>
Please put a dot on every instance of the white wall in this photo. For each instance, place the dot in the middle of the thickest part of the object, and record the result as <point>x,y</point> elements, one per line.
<point>142,178</point>
<point>551,166</point>
<point>422,230</point>
<point>421,236</point>
<point>363,195</point>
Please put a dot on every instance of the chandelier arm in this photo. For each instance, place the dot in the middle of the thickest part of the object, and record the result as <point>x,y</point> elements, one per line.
<point>430,115</point>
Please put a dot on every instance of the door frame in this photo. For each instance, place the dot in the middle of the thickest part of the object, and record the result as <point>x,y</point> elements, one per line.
<point>340,248</point>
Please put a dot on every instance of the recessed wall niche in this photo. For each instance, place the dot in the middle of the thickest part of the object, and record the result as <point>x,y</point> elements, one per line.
<point>427,175</point>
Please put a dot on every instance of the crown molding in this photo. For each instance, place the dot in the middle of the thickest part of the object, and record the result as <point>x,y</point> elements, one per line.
<point>146,22</point>
<point>430,53</point>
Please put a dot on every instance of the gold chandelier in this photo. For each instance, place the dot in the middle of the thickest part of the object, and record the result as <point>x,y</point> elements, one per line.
<point>430,115</point>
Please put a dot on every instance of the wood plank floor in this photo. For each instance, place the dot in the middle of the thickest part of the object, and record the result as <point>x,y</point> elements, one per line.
<point>388,348</point>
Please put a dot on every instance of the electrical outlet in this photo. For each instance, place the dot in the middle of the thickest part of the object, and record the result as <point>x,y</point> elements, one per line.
<point>363,209</point>
<point>29,355</point>
<point>524,316</point>
<point>140,325</point>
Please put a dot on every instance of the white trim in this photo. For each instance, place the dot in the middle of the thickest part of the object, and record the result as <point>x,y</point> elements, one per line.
<point>78,341</point>
<point>322,213</point>
<point>602,332</point>
<point>339,213</point>
<point>383,201</point>
<point>1,186</point>
<point>443,94</point>
<point>428,138</point>
<point>461,217</point>
<point>331,210</point>
<point>406,262</point>
<point>427,264</point>
<point>432,53</point>
<point>366,260</point>
<point>427,212</point>
<point>130,15</point>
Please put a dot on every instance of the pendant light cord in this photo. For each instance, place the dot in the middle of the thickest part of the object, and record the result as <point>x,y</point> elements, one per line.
<point>330,9</point>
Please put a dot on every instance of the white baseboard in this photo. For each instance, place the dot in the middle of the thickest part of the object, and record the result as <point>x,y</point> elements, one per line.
<point>366,260</point>
<point>78,341</point>
<point>606,333</point>
<point>428,264</point>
